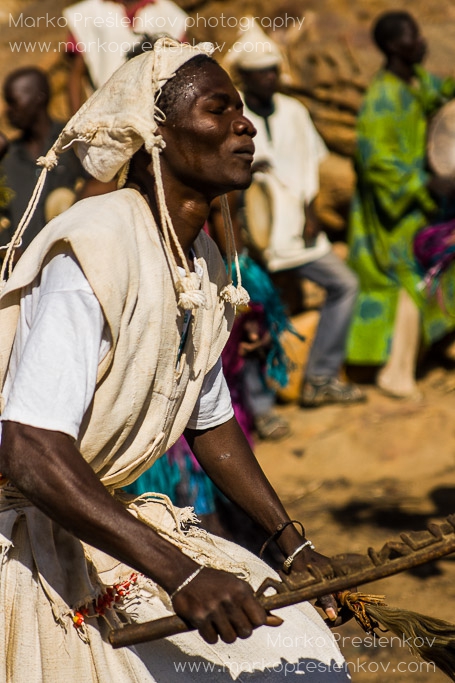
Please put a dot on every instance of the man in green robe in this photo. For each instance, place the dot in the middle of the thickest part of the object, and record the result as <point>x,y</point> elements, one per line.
<point>395,197</point>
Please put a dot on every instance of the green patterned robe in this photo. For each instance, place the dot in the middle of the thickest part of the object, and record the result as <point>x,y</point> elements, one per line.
<point>390,205</point>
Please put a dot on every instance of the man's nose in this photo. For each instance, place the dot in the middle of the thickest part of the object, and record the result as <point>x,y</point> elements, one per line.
<point>243,126</point>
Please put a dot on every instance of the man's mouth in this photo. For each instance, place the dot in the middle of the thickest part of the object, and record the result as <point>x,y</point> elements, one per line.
<point>246,152</point>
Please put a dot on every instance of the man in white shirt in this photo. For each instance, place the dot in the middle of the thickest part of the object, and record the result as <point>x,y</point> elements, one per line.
<point>288,153</point>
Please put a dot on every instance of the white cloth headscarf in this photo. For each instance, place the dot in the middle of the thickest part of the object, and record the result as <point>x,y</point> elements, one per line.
<point>253,50</point>
<point>114,123</point>
<point>122,116</point>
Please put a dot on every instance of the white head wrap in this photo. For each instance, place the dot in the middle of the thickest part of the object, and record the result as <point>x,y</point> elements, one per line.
<point>122,116</point>
<point>253,50</point>
<point>111,127</point>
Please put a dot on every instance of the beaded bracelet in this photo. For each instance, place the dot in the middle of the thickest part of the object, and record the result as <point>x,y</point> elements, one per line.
<point>280,528</point>
<point>186,582</point>
<point>287,564</point>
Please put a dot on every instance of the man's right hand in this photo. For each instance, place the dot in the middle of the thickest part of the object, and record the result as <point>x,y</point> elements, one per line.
<point>219,604</point>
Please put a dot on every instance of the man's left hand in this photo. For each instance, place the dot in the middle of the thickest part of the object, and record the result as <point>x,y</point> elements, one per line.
<point>328,603</point>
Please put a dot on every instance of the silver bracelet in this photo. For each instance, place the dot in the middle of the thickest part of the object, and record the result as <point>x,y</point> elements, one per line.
<point>287,564</point>
<point>186,582</point>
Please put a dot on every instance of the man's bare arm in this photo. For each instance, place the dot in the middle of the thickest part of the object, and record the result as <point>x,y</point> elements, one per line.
<point>227,458</point>
<point>49,470</point>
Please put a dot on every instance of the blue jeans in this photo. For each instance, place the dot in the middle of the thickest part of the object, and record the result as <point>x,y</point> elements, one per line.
<point>328,349</point>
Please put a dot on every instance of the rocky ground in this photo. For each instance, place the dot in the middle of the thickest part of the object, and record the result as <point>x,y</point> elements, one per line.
<point>358,476</point>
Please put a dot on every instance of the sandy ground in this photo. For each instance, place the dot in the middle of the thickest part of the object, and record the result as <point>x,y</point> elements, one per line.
<point>358,476</point>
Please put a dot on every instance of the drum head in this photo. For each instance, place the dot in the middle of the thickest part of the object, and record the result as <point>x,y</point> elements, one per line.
<point>441,141</point>
<point>58,201</point>
<point>258,213</point>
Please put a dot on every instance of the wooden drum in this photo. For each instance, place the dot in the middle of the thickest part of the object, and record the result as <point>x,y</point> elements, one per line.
<point>441,142</point>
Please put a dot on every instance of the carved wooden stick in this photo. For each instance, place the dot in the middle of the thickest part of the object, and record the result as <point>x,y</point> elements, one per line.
<point>415,548</point>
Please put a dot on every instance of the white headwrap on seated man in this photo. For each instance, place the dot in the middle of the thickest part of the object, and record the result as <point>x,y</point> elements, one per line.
<point>253,50</point>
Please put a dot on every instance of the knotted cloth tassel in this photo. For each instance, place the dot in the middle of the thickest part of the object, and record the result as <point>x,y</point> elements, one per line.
<point>188,286</point>
<point>191,296</point>
<point>237,296</point>
<point>431,639</point>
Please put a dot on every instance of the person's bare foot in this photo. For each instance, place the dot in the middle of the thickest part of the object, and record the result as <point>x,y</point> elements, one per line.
<point>398,389</point>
